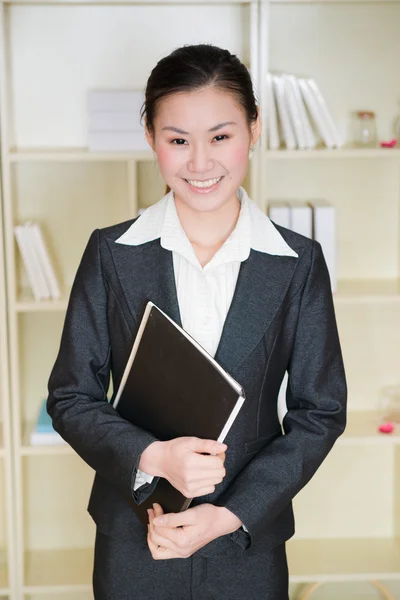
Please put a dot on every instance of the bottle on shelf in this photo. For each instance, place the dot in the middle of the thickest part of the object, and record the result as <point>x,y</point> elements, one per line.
<point>365,133</point>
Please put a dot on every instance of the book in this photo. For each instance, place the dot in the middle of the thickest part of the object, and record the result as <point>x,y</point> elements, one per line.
<point>279,212</point>
<point>294,112</point>
<point>45,262</point>
<point>326,113</point>
<point>309,141</point>
<point>115,100</point>
<point>272,118</point>
<point>172,387</point>
<point>27,258</point>
<point>43,432</point>
<point>118,141</point>
<point>300,217</point>
<point>317,115</point>
<point>324,232</point>
<point>284,120</point>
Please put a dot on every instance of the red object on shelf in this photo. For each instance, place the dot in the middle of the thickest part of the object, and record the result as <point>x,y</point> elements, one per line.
<point>390,144</point>
<point>386,427</point>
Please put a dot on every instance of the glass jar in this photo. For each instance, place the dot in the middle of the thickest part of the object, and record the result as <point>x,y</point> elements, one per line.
<point>365,135</point>
<point>390,403</point>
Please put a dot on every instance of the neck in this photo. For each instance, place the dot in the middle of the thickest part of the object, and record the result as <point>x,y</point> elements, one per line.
<point>209,229</point>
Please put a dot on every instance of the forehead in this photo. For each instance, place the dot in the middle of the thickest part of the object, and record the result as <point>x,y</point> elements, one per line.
<point>199,109</point>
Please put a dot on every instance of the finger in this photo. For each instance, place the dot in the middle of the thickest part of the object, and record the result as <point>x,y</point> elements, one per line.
<point>186,517</point>
<point>157,552</point>
<point>208,446</point>
<point>164,541</point>
<point>150,529</point>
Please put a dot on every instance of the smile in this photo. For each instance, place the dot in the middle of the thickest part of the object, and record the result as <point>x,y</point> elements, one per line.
<point>208,184</point>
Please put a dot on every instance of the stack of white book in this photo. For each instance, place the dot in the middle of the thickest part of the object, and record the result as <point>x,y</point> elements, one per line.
<point>298,115</point>
<point>316,219</point>
<point>114,120</point>
<point>38,266</point>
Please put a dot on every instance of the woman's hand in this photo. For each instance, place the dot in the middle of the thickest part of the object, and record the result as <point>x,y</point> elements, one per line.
<point>192,465</point>
<point>180,535</point>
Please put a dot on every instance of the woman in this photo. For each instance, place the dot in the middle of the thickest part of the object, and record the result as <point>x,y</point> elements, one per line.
<point>257,297</point>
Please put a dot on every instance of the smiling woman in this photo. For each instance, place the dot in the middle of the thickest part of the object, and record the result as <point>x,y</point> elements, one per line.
<point>254,295</point>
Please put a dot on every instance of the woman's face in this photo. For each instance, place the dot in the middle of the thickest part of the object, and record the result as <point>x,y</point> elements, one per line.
<point>202,143</point>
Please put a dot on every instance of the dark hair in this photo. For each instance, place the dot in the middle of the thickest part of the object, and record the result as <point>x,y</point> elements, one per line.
<point>191,68</point>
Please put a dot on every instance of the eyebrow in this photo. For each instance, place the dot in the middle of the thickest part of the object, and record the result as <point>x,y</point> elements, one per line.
<point>215,128</point>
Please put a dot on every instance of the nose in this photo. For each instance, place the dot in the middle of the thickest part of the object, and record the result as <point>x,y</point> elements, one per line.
<point>200,160</point>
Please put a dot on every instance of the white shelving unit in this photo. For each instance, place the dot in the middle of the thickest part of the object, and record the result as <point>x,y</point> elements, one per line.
<point>7,548</point>
<point>348,517</point>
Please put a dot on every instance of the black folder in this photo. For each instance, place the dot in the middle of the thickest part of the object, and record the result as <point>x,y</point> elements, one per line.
<point>172,387</point>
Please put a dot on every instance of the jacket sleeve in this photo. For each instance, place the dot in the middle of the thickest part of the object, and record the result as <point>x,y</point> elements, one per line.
<point>79,381</point>
<point>316,416</point>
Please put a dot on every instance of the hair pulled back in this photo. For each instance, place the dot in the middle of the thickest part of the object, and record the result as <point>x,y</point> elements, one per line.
<point>192,68</point>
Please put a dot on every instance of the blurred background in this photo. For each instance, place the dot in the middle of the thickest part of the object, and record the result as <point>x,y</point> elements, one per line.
<point>327,77</point>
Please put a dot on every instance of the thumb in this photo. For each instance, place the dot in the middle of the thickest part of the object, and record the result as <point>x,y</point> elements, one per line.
<point>208,446</point>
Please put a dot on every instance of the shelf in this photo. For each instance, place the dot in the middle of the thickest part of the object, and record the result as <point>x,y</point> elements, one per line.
<point>26,302</point>
<point>75,154</point>
<point>129,2</point>
<point>52,571</point>
<point>46,450</point>
<point>386,290</point>
<point>362,428</point>
<point>344,560</point>
<point>343,153</point>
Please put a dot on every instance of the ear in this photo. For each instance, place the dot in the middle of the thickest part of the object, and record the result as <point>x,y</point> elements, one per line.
<point>149,136</point>
<point>256,128</point>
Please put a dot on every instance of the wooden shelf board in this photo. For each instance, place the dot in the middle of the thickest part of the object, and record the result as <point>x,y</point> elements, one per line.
<point>27,303</point>
<point>74,154</point>
<point>48,571</point>
<point>386,290</point>
<point>45,450</point>
<point>362,428</point>
<point>340,153</point>
<point>116,2</point>
<point>343,560</point>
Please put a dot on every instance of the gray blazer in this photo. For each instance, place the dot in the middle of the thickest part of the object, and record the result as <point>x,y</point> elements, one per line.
<point>281,318</point>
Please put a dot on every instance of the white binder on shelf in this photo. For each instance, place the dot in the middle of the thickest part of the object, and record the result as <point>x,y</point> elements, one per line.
<point>317,115</point>
<point>284,119</point>
<point>301,217</point>
<point>294,112</point>
<point>324,232</point>
<point>37,262</point>
<point>273,141</point>
<point>279,212</point>
<point>310,140</point>
<point>327,116</point>
<point>45,261</point>
<point>27,258</point>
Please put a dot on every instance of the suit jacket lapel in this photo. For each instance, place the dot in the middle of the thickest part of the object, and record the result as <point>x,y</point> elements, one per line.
<point>146,273</point>
<point>261,287</point>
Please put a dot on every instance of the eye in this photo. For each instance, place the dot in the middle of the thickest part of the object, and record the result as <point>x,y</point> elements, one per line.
<point>178,142</point>
<point>221,137</point>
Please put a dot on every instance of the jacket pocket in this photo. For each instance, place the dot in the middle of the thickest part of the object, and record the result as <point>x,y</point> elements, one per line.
<point>256,445</point>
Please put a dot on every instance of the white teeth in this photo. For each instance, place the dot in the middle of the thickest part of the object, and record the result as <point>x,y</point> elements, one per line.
<point>203,184</point>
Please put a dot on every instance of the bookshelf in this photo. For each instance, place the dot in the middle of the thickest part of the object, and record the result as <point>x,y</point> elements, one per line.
<point>345,537</point>
<point>7,549</point>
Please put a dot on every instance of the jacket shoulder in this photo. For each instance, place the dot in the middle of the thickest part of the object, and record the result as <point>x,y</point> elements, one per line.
<point>293,239</point>
<point>115,231</point>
